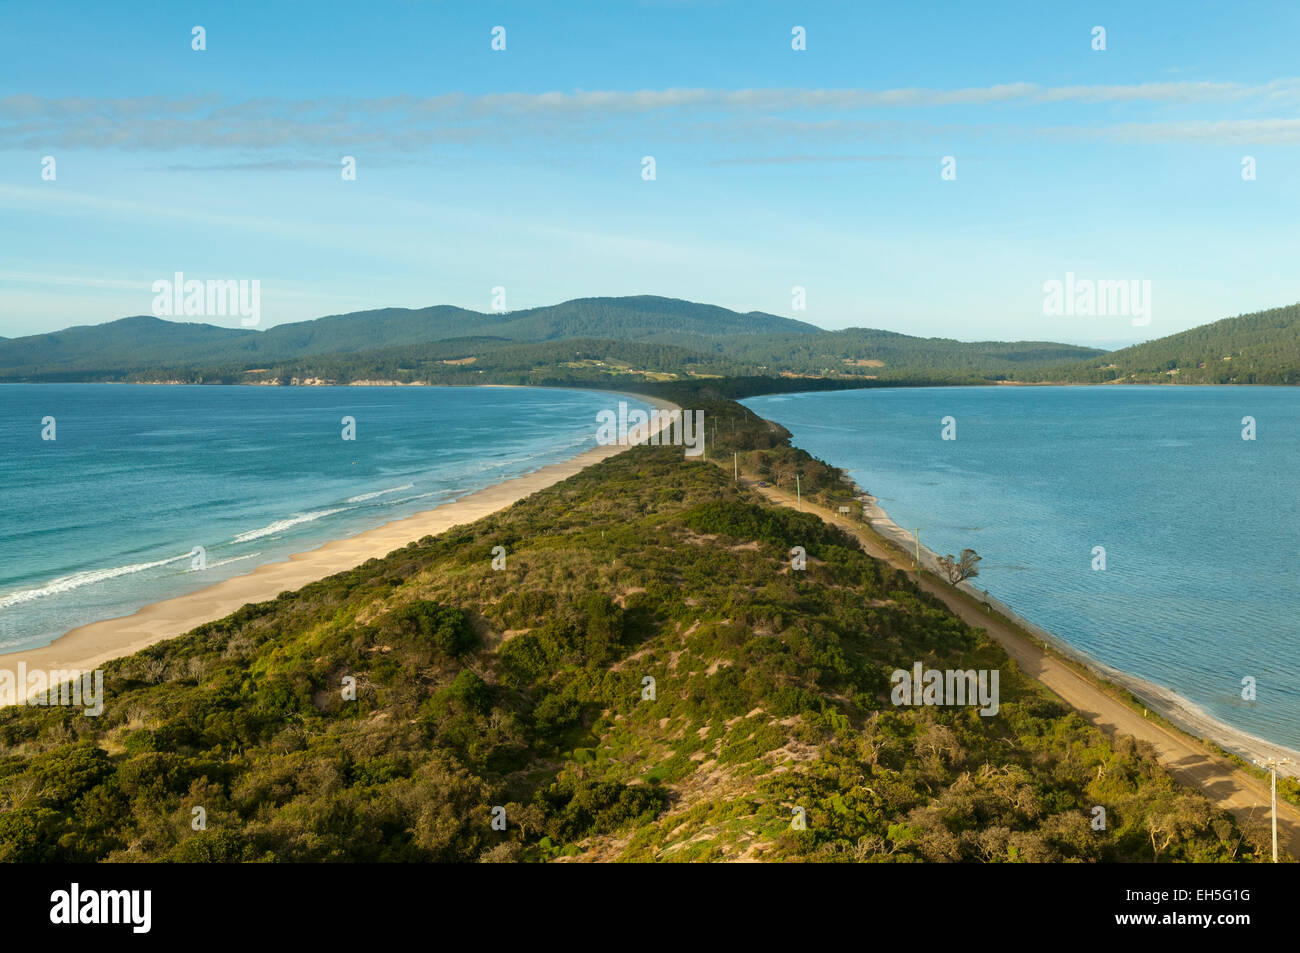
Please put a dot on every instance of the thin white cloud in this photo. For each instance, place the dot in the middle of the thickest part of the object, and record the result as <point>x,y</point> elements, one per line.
<point>800,159</point>
<point>72,281</point>
<point>407,124</point>
<point>1207,132</point>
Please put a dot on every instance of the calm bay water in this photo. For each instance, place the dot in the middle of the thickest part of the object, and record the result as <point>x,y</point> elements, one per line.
<point>103,519</point>
<point>1201,528</point>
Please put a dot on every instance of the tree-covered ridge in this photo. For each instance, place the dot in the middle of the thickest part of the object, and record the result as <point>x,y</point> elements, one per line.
<point>641,338</point>
<point>142,344</point>
<point>887,355</point>
<point>644,318</point>
<point>496,361</point>
<point>525,688</point>
<point>1259,348</point>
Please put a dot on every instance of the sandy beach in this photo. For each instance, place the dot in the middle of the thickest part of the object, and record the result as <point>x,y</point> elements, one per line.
<point>1166,703</point>
<point>89,646</point>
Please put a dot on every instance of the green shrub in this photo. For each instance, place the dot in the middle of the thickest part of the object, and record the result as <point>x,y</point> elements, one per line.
<point>429,625</point>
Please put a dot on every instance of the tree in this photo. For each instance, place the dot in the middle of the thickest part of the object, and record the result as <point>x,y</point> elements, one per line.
<point>783,471</point>
<point>958,569</point>
<point>1174,819</point>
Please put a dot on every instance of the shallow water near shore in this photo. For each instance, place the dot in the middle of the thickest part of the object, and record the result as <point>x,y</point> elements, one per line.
<point>107,517</point>
<point>1201,529</point>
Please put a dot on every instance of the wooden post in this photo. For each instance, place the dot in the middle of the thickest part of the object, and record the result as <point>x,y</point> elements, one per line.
<point>1272,765</point>
<point>1274,773</point>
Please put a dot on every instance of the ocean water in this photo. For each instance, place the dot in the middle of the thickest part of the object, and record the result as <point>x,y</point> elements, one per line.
<point>105,518</point>
<point>1201,529</point>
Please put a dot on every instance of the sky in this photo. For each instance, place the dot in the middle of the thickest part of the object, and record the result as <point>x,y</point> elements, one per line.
<point>774,168</point>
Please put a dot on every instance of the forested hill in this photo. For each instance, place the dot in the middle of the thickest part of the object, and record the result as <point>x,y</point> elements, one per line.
<point>1259,348</point>
<point>888,354</point>
<point>647,678</point>
<point>635,338</point>
<point>144,344</point>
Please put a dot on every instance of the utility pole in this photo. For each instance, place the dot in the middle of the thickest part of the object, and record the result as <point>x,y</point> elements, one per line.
<point>798,488</point>
<point>916,534</point>
<point>735,467</point>
<point>1272,764</point>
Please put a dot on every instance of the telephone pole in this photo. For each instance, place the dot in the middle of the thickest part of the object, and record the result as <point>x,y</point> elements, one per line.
<point>798,489</point>
<point>916,534</point>
<point>735,467</point>
<point>1272,764</point>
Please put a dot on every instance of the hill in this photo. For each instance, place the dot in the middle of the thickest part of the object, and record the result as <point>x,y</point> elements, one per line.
<point>1259,348</point>
<point>647,337</point>
<point>123,343</point>
<point>643,318</point>
<point>888,355</point>
<point>139,345</point>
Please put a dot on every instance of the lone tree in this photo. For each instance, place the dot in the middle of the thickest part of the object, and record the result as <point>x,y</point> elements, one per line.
<point>958,569</point>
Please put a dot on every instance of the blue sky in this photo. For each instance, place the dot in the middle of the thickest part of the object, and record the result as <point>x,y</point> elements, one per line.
<point>774,168</point>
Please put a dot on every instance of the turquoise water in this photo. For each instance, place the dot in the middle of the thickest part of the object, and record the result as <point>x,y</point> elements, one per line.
<point>1201,529</point>
<point>104,519</point>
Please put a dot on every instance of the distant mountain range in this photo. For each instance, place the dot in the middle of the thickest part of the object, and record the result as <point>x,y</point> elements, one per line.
<point>631,338</point>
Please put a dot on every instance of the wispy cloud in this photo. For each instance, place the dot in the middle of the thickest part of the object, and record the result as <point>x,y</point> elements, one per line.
<point>73,281</point>
<point>1208,132</point>
<point>796,160</point>
<point>409,124</point>
<point>270,165</point>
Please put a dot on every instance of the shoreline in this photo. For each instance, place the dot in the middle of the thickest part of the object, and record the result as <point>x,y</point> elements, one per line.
<point>1181,712</point>
<point>89,646</point>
